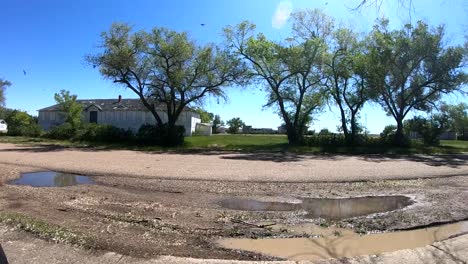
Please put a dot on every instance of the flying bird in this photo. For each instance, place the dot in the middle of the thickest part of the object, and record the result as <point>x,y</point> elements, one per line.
<point>202,24</point>
<point>24,72</point>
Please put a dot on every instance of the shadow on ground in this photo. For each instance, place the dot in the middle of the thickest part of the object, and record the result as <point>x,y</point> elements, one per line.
<point>449,160</point>
<point>437,160</point>
<point>281,157</point>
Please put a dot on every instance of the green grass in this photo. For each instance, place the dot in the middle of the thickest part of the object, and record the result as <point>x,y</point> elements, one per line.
<point>251,143</point>
<point>458,144</point>
<point>237,142</point>
<point>45,230</point>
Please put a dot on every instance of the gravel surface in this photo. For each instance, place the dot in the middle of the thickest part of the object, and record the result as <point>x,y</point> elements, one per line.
<point>235,167</point>
<point>150,204</point>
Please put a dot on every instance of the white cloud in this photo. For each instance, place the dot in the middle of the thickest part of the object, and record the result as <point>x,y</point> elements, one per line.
<point>282,13</point>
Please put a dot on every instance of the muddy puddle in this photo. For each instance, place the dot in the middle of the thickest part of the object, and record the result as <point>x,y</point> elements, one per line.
<point>339,243</point>
<point>332,209</point>
<point>51,179</point>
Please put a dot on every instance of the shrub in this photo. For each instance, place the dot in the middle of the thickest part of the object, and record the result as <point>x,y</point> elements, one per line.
<point>103,133</point>
<point>388,134</point>
<point>430,133</point>
<point>325,140</point>
<point>63,131</point>
<point>160,135</point>
<point>31,130</point>
<point>22,124</point>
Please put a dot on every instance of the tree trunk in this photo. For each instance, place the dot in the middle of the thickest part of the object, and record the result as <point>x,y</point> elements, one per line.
<point>352,137</point>
<point>173,136</point>
<point>399,136</point>
<point>344,126</point>
<point>294,135</point>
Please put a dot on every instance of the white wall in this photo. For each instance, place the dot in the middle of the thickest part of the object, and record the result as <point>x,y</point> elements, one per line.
<point>122,119</point>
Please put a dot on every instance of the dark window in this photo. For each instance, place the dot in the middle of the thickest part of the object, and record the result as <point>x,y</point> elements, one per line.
<point>93,117</point>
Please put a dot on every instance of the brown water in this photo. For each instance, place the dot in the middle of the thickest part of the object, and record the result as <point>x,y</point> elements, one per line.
<point>339,243</point>
<point>51,179</point>
<point>333,209</point>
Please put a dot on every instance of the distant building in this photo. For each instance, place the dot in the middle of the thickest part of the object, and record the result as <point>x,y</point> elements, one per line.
<point>282,129</point>
<point>122,113</point>
<point>204,129</point>
<point>221,130</point>
<point>447,135</point>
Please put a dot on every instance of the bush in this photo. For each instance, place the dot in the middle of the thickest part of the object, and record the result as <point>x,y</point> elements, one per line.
<point>103,133</point>
<point>22,124</point>
<point>63,131</point>
<point>325,140</point>
<point>388,134</point>
<point>160,135</point>
<point>31,130</point>
<point>430,133</point>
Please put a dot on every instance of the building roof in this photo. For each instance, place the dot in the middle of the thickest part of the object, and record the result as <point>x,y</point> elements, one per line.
<point>109,105</point>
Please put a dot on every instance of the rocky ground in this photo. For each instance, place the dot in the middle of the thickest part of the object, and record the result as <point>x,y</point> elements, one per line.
<point>150,212</point>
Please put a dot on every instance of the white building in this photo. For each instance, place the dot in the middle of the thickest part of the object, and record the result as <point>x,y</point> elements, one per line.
<point>122,113</point>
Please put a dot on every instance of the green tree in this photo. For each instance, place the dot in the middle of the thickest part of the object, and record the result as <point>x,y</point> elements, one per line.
<point>205,116</point>
<point>165,67</point>
<point>234,125</point>
<point>20,123</point>
<point>5,112</point>
<point>411,69</point>
<point>290,72</point>
<point>453,117</point>
<point>70,108</point>
<point>428,129</point>
<point>3,85</point>
<point>217,123</point>
<point>345,69</point>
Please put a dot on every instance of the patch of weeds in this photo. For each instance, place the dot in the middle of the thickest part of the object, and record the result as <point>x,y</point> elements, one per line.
<point>324,224</point>
<point>47,231</point>
<point>337,233</point>
<point>236,232</point>
<point>360,229</point>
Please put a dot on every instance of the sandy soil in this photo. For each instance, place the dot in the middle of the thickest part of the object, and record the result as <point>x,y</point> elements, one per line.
<point>146,205</point>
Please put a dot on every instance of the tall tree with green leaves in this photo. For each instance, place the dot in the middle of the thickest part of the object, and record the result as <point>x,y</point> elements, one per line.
<point>291,73</point>
<point>453,117</point>
<point>205,116</point>
<point>217,123</point>
<point>235,124</point>
<point>411,69</point>
<point>165,67</point>
<point>69,107</point>
<point>3,85</point>
<point>345,69</point>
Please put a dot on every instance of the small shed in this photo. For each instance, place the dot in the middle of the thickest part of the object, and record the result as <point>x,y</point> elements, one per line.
<point>203,129</point>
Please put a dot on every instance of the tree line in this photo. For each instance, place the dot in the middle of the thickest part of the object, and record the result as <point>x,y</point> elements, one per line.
<point>321,63</point>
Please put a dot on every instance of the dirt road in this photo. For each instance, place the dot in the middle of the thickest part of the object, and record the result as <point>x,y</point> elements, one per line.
<point>145,205</point>
<point>234,167</point>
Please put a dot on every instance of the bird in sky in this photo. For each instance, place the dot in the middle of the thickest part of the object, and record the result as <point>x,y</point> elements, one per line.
<point>24,72</point>
<point>202,24</point>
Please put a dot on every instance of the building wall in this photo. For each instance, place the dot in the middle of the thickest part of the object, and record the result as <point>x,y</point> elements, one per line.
<point>122,119</point>
<point>204,129</point>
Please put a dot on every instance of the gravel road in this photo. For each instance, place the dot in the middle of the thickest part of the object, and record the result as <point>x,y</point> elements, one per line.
<point>234,166</point>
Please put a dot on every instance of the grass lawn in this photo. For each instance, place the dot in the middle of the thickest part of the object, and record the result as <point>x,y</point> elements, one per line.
<point>251,143</point>
<point>459,144</point>
<point>237,142</point>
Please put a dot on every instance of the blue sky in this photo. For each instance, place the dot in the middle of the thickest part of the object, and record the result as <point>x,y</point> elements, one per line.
<point>48,39</point>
